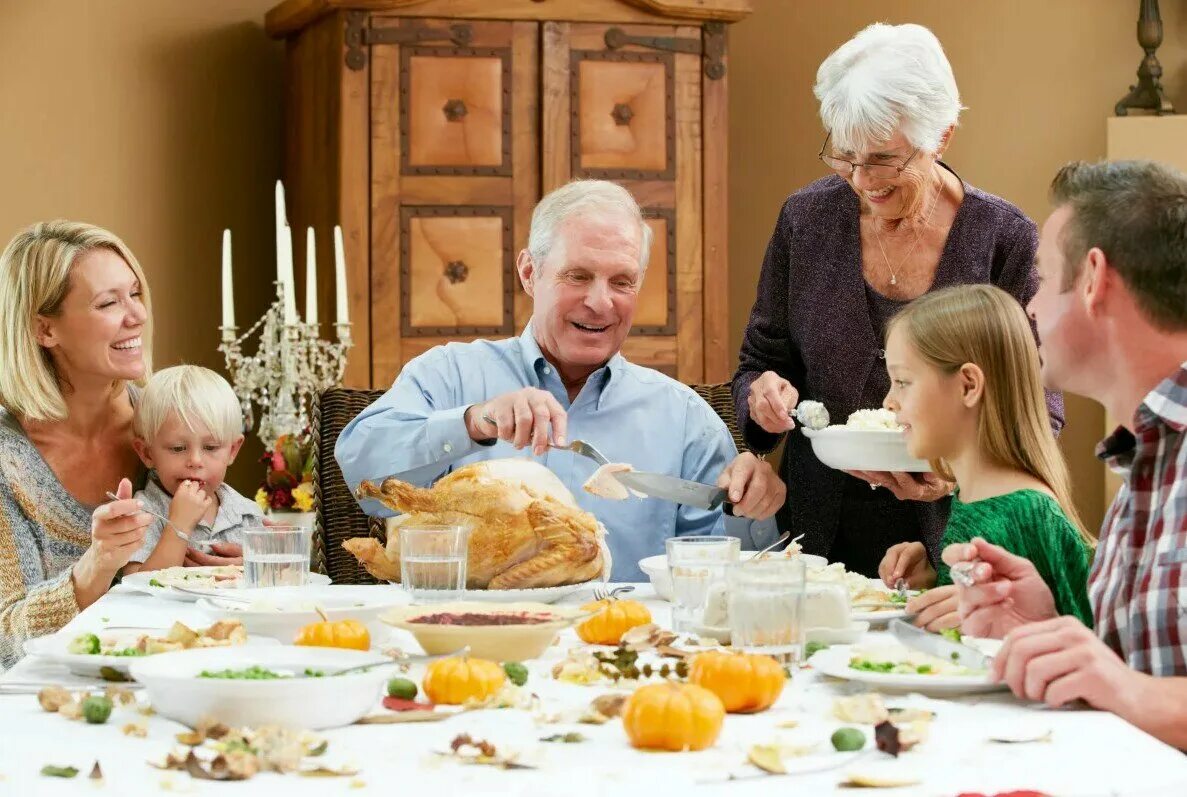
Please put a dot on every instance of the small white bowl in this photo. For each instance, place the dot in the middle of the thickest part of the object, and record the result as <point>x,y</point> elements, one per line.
<point>177,692</point>
<point>512,642</point>
<point>656,569</point>
<point>280,612</point>
<point>843,448</point>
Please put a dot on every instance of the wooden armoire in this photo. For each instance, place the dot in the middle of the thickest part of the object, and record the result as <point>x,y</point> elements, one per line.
<point>429,129</point>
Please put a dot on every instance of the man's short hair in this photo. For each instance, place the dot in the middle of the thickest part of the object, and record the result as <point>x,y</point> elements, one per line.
<point>1135,212</point>
<point>580,197</point>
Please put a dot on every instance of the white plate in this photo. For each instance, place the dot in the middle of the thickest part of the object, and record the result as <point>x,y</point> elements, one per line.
<point>834,661</point>
<point>537,595</point>
<point>140,582</point>
<point>656,569</point>
<point>843,448</point>
<point>280,612</point>
<point>881,617</point>
<point>177,693</point>
<point>53,648</point>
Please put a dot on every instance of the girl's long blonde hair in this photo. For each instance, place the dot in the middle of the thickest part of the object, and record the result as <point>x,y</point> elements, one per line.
<point>35,271</point>
<point>985,326</point>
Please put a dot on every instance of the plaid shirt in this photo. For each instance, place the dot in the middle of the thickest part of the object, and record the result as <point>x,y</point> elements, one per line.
<point>1138,583</point>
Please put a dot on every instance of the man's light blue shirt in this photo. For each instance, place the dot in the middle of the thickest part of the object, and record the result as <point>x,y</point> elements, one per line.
<point>631,414</point>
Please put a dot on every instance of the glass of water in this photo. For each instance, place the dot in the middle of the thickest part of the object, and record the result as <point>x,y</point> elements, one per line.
<point>766,607</point>
<point>696,564</point>
<point>276,556</point>
<point>433,561</point>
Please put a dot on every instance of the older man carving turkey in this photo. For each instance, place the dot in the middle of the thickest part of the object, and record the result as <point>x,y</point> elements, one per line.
<point>562,379</point>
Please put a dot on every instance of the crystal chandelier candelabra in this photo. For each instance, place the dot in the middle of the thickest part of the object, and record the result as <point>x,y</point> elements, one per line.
<point>291,365</point>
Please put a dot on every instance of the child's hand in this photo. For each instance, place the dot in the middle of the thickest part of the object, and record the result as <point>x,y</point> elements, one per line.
<point>190,504</point>
<point>907,560</point>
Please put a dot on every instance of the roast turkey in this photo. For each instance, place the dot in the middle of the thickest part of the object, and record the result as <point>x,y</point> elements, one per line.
<point>526,531</point>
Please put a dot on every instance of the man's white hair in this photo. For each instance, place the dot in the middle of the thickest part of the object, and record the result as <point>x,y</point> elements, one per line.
<point>885,78</point>
<point>580,197</point>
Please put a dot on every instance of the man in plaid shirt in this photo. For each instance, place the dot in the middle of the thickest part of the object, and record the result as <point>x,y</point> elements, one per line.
<point>1112,315</point>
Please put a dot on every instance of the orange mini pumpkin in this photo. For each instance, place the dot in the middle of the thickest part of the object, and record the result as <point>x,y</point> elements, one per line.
<point>746,683</point>
<point>613,619</point>
<point>672,716</point>
<point>457,680</point>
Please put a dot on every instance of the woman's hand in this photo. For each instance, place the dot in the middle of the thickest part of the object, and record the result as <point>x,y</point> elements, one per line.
<point>907,560</point>
<point>771,400</point>
<point>221,553</point>
<point>117,532</point>
<point>907,486</point>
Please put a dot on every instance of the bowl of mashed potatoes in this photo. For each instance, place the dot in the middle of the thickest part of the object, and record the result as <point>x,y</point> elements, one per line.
<point>868,440</point>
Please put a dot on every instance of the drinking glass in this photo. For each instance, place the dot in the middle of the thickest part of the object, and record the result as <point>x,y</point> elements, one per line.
<point>766,607</point>
<point>433,561</point>
<point>696,564</point>
<point>276,556</point>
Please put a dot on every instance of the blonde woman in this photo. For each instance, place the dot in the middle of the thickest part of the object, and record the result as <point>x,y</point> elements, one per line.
<point>965,384</point>
<point>75,335</point>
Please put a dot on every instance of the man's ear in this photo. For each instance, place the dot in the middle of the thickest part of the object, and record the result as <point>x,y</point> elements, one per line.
<point>972,384</point>
<point>527,271</point>
<point>43,332</point>
<point>1095,275</point>
<point>236,444</point>
<point>141,448</point>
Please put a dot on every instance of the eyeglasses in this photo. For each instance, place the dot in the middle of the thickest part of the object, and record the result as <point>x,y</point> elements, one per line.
<point>879,171</point>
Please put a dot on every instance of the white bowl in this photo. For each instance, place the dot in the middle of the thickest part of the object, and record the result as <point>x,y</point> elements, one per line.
<point>177,693</point>
<point>843,448</point>
<point>280,612</point>
<point>656,569</point>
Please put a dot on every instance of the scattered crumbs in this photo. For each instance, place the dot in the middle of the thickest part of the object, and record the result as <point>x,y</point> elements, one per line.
<point>145,711</point>
<point>105,619</point>
<point>136,729</point>
<point>358,783</point>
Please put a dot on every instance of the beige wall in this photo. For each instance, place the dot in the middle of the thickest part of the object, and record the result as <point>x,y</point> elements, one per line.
<point>161,120</point>
<point>1039,80</point>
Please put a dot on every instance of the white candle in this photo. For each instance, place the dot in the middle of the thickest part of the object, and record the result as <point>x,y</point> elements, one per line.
<point>228,290</point>
<point>281,220</point>
<point>340,276</point>
<point>310,278</point>
<point>290,293</point>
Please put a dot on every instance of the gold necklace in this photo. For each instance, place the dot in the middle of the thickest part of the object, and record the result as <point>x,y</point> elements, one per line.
<point>923,229</point>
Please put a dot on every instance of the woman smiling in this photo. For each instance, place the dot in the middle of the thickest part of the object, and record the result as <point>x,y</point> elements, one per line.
<point>75,334</point>
<point>891,223</point>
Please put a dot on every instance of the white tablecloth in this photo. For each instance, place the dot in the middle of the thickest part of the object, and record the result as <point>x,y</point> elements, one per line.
<point>1090,753</point>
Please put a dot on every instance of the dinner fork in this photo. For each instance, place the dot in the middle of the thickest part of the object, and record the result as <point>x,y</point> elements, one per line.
<point>204,544</point>
<point>600,593</point>
<point>584,449</point>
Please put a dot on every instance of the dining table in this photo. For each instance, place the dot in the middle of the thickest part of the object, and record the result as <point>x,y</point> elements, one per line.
<point>1072,751</point>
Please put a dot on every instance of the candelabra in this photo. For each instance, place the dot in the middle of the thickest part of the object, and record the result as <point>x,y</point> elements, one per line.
<point>291,366</point>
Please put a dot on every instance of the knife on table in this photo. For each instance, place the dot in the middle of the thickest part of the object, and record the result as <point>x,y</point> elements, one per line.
<point>938,646</point>
<point>680,491</point>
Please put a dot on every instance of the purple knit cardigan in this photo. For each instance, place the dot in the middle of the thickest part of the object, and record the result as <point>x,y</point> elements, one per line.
<point>811,324</point>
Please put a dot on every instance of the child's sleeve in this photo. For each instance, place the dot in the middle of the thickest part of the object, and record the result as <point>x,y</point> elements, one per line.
<point>1074,562</point>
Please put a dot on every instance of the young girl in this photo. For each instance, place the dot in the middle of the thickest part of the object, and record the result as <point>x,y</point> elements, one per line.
<point>188,428</point>
<point>965,385</point>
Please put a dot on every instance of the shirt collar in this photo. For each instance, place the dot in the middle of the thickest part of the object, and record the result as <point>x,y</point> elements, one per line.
<point>1167,402</point>
<point>534,361</point>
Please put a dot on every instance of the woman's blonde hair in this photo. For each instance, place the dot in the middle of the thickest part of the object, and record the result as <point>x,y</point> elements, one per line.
<point>197,395</point>
<point>35,273</point>
<point>985,326</point>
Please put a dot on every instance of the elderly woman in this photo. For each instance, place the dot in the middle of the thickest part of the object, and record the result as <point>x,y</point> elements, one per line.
<point>891,223</point>
<point>75,336</point>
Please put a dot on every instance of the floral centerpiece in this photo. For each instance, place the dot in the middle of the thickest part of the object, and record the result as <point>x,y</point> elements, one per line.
<point>288,483</point>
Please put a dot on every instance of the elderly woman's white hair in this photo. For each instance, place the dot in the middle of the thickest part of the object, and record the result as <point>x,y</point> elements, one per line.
<point>595,197</point>
<point>885,78</point>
